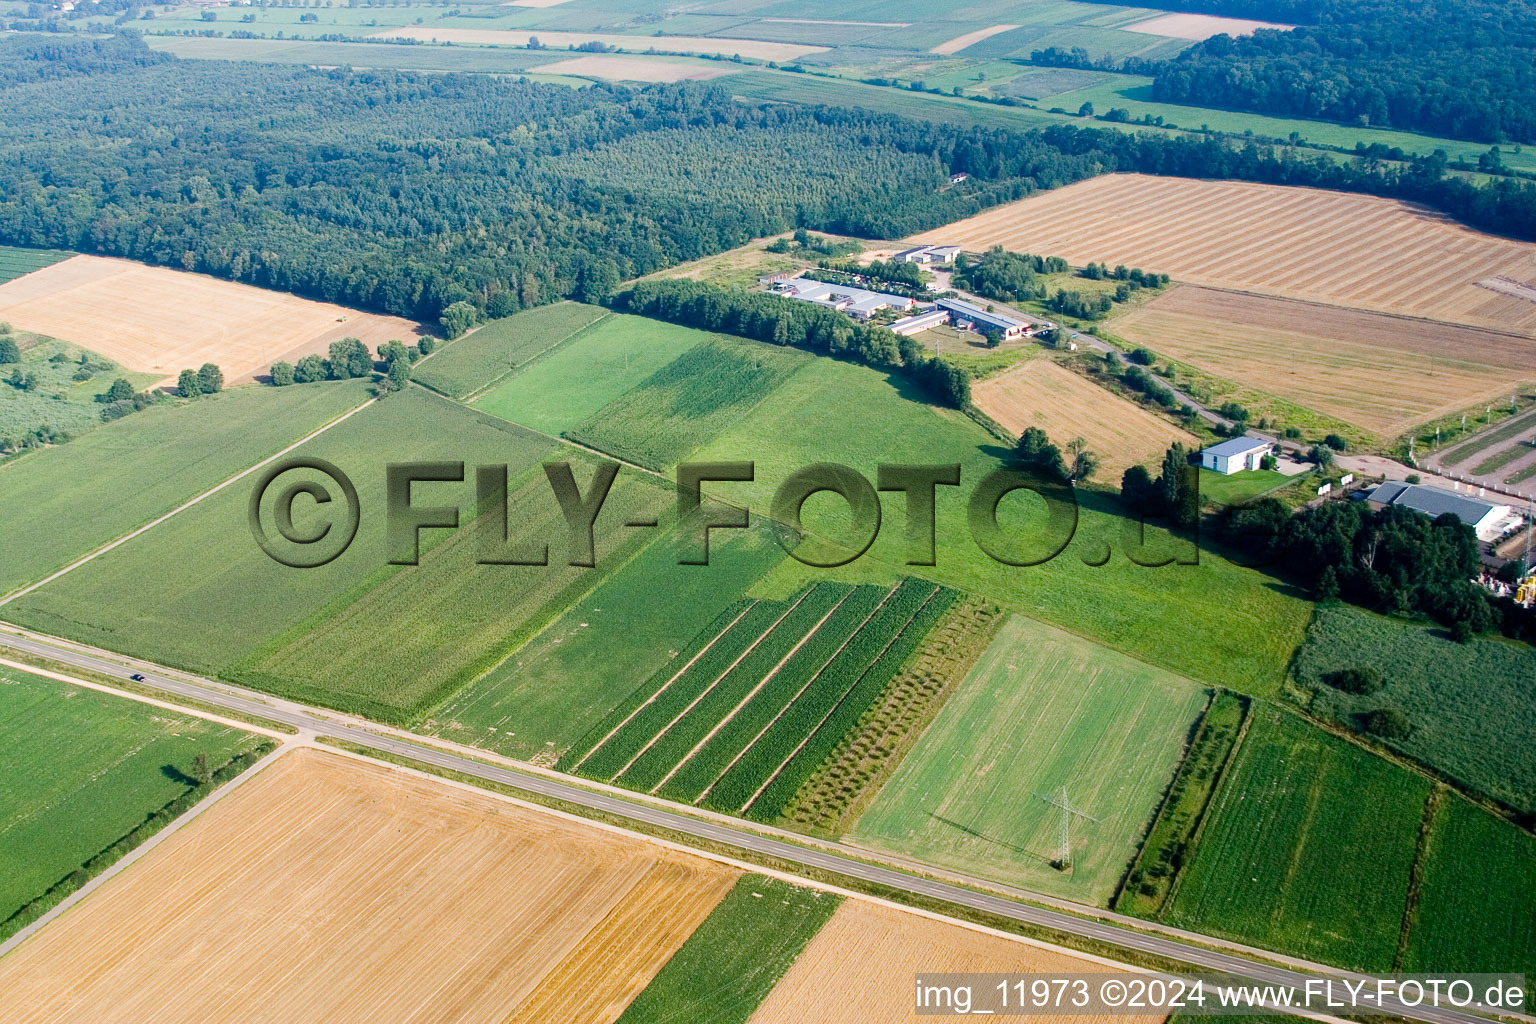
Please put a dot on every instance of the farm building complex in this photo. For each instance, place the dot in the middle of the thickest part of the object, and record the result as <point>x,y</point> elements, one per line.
<point>928,254</point>
<point>1235,455</point>
<point>861,304</point>
<point>856,302</point>
<point>1486,518</point>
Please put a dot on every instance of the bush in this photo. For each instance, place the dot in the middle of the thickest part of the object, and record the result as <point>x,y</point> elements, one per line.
<point>426,345</point>
<point>1362,679</point>
<point>282,374</point>
<point>1388,723</point>
<point>1336,442</point>
<point>10,352</point>
<point>1141,355</point>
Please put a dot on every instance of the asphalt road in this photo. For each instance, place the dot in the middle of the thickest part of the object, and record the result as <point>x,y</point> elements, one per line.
<point>290,714</point>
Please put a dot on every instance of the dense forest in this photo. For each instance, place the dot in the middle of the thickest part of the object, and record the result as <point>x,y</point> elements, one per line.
<point>1461,68</point>
<point>408,192</point>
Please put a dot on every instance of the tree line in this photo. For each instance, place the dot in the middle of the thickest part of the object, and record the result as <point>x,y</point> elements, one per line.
<point>780,320</point>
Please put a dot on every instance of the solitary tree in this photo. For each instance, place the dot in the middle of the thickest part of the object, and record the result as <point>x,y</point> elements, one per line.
<point>200,770</point>
<point>310,369</point>
<point>1086,110</point>
<point>1083,463</point>
<point>458,318</point>
<point>399,374</point>
<point>120,391</point>
<point>188,384</point>
<point>282,374</point>
<point>1321,455</point>
<point>211,379</point>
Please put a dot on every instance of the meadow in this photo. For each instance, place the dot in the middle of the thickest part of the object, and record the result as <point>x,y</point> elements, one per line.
<point>60,403</point>
<point>549,693</point>
<point>736,957</point>
<point>16,262</point>
<point>1235,488</point>
<point>832,411</point>
<point>81,770</point>
<point>1307,848</point>
<point>689,401</point>
<point>63,502</point>
<point>502,347</point>
<point>1474,912</point>
<point>1042,712</point>
<point>1469,704</point>
<point>573,382</point>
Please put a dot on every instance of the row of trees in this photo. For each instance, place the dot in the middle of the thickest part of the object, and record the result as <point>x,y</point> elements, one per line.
<point>1074,466</point>
<point>349,359</point>
<point>784,321</point>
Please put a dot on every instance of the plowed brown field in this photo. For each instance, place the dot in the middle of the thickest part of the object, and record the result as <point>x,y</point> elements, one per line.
<point>327,889</point>
<point>1041,394</point>
<point>1382,373</point>
<point>861,965</point>
<point>1331,247</point>
<point>163,321</point>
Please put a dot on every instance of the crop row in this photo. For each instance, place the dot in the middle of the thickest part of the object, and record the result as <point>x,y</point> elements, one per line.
<point>803,720</point>
<point>736,734</point>
<point>610,757</point>
<point>647,691</point>
<point>675,743</point>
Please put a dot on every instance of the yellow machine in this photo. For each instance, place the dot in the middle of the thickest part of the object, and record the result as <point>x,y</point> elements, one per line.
<point>1525,593</point>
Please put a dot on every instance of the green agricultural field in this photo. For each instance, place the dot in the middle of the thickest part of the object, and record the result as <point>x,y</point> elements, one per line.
<point>1307,848</point>
<point>1040,711</point>
<point>551,692</point>
<point>81,770</point>
<point>405,640</point>
<point>733,960</point>
<point>689,401</point>
<point>16,262</point>
<point>569,385</point>
<point>1469,704</point>
<point>1475,911</point>
<point>61,503</point>
<point>501,347</point>
<point>203,567</point>
<point>1213,622</point>
<point>57,404</point>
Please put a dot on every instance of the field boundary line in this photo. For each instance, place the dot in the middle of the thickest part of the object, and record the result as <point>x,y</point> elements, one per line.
<point>710,688</point>
<point>798,693</point>
<point>77,563</point>
<point>767,676</point>
<point>479,392</point>
<point>1212,804</point>
<point>164,705</point>
<point>833,709</point>
<point>665,686</point>
<point>138,853</point>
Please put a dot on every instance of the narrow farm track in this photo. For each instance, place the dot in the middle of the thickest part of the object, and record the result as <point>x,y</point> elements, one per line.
<point>1117,932</point>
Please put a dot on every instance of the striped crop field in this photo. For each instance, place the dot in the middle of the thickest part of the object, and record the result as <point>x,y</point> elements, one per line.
<point>763,695</point>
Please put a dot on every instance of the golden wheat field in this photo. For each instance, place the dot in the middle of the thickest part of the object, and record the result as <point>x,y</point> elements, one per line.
<point>1382,373</point>
<point>327,889</point>
<point>860,967</point>
<point>1041,394</point>
<point>1332,247</point>
<point>156,320</point>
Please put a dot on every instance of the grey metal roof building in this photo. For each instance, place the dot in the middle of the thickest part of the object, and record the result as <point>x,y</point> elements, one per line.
<point>1432,501</point>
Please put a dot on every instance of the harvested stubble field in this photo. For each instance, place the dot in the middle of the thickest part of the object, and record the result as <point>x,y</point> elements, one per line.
<point>1040,393</point>
<point>1042,709</point>
<point>753,48</point>
<point>329,889</point>
<point>162,321</point>
<point>860,966</point>
<point>1329,247</point>
<point>1199,26</point>
<point>1382,373</point>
